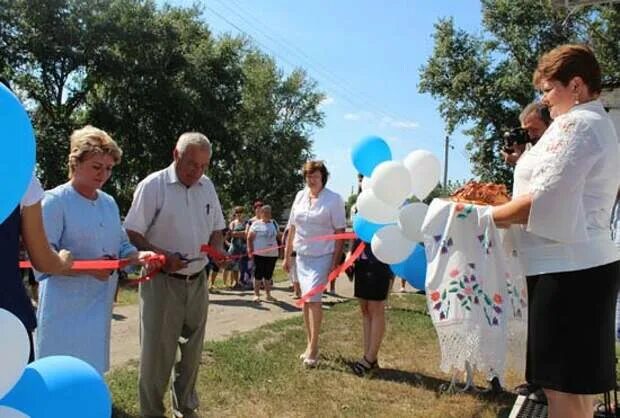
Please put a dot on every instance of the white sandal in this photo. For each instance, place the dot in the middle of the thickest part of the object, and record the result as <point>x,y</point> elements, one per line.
<point>311,362</point>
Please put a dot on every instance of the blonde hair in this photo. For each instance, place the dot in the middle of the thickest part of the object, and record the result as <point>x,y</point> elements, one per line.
<point>86,142</point>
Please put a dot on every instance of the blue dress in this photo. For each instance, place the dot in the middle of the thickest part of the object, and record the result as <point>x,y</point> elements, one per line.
<point>75,312</point>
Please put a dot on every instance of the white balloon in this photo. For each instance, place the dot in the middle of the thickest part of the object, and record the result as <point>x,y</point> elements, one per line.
<point>6,412</point>
<point>391,182</point>
<point>14,351</point>
<point>410,220</point>
<point>374,210</point>
<point>425,170</point>
<point>366,183</point>
<point>390,245</point>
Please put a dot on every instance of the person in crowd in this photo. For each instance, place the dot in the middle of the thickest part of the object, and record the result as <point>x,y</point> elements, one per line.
<point>28,273</point>
<point>292,273</point>
<point>237,248</point>
<point>213,268</point>
<point>535,120</point>
<point>564,191</point>
<point>257,205</point>
<point>316,211</point>
<point>213,271</point>
<point>75,308</point>
<point>25,223</point>
<point>263,238</point>
<point>174,212</point>
<point>372,281</point>
<point>332,284</point>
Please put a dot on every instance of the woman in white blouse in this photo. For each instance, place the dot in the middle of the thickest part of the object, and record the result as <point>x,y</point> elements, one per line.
<point>564,191</point>
<point>316,211</point>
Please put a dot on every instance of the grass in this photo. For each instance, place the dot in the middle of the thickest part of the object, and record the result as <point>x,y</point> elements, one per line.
<point>259,374</point>
<point>128,293</point>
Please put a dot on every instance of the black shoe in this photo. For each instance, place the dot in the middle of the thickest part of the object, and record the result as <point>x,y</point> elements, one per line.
<point>496,386</point>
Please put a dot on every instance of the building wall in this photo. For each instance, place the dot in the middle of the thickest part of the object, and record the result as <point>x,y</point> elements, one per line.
<point>611,100</point>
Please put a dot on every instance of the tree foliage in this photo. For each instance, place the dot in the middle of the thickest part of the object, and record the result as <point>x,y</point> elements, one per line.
<point>147,74</point>
<point>483,80</point>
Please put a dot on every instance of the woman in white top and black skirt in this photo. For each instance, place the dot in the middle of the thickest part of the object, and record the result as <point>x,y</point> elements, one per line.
<point>373,280</point>
<point>564,191</point>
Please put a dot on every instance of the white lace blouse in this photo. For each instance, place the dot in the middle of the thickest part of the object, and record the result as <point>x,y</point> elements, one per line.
<point>573,174</point>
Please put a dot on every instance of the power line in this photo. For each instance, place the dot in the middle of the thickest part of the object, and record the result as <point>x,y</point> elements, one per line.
<point>339,84</point>
<point>315,65</point>
<point>336,82</point>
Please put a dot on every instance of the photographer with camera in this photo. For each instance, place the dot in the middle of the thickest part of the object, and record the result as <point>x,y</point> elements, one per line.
<point>535,120</point>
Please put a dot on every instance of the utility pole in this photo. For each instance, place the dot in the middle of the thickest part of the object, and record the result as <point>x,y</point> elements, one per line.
<point>445,162</point>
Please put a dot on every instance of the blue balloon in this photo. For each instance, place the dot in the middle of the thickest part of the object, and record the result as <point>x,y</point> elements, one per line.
<point>370,152</point>
<point>60,386</point>
<point>413,269</point>
<point>18,152</point>
<point>365,229</point>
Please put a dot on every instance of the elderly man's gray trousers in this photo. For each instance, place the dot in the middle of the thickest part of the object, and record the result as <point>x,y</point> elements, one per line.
<point>171,308</point>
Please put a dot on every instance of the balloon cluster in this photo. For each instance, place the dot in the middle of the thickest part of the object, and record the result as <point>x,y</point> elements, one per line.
<point>56,386</point>
<point>386,218</point>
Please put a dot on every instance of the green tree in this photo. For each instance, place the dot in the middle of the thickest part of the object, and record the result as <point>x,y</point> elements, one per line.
<point>147,74</point>
<point>483,81</point>
<point>46,48</point>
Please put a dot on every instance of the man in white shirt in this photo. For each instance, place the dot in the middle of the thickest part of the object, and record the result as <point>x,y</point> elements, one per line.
<point>174,212</point>
<point>535,120</point>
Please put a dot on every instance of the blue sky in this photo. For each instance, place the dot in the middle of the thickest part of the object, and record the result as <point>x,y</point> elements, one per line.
<point>365,56</point>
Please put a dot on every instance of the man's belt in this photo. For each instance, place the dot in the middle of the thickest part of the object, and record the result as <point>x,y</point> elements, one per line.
<point>185,276</point>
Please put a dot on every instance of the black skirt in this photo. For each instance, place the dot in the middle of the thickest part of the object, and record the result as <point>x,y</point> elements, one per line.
<point>571,322</point>
<point>372,280</point>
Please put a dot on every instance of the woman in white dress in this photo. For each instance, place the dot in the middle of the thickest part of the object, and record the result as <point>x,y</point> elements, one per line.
<point>316,211</point>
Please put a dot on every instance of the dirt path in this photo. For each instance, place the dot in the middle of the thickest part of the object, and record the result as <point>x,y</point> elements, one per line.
<point>230,312</point>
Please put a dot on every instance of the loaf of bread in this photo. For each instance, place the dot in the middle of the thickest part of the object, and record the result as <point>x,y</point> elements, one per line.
<point>481,194</point>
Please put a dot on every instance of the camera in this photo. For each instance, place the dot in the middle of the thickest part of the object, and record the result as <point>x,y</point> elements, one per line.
<point>514,136</point>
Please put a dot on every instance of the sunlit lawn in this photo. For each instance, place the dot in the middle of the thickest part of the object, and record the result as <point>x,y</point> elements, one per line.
<point>258,374</point>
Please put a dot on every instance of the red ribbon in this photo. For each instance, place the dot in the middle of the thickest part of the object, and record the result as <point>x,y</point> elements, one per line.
<point>218,256</point>
<point>108,265</point>
<point>333,275</point>
<point>89,264</point>
<point>149,275</point>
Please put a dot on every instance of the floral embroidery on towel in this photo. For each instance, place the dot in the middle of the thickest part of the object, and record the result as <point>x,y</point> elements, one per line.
<point>470,294</point>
